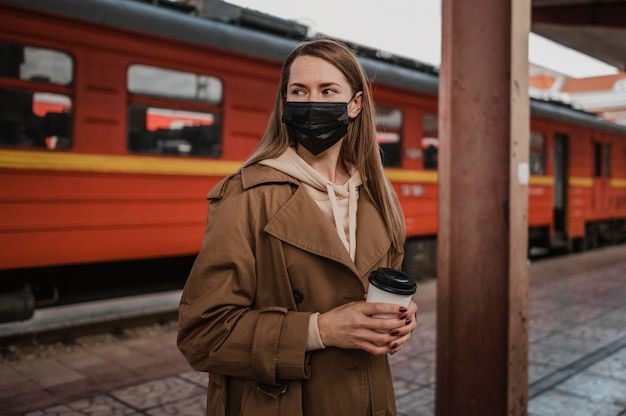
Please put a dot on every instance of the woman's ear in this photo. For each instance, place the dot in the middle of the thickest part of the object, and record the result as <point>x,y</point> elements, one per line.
<point>354,106</point>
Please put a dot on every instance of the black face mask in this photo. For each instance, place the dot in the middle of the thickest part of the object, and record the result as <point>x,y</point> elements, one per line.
<point>316,125</point>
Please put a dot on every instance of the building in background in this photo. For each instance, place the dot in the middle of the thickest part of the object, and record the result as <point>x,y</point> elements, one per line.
<point>603,95</point>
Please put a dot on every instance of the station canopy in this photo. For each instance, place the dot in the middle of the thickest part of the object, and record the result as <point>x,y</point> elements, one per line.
<point>594,27</point>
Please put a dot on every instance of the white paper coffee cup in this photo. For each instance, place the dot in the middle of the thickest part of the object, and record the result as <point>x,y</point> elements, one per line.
<point>390,286</point>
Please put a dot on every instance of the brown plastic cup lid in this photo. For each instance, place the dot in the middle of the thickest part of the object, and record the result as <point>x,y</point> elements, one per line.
<point>393,281</point>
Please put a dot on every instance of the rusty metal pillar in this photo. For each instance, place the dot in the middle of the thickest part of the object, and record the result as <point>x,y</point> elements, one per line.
<point>482,333</point>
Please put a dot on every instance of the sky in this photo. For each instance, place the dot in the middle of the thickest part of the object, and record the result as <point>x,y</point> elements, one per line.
<point>409,28</point>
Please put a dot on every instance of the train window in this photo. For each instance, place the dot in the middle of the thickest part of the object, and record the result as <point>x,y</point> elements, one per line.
<point>388,132</point>
<point>31,63</point>
<point>602,160</point>
<point>34,113</point>
<point>537,153</point>
<point>169,131</point>
<point>430,141</point>
<point>188,123</point>
<point>166,83</point>
<point>35,119</point>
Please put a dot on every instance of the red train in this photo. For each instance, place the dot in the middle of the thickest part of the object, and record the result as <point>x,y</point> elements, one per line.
<point>118,116</point>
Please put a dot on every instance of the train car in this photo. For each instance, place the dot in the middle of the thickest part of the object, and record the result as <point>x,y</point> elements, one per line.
<point>117,117</point>
<point>577,198</point>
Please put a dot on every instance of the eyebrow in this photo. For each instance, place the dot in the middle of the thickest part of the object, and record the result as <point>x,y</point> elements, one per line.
<point>322,85</point>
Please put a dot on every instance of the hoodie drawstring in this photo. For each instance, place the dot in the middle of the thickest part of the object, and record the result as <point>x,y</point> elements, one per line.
<point>352,203</point>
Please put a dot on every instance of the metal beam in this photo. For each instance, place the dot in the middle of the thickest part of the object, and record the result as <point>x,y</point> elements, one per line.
<point>593,14</point>
<point>482,332</point>
<point>607,44</point>
<point>594,27</point>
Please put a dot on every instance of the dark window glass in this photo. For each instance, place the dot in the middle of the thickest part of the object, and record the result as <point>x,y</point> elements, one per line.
<point>173,112</point>
<point>537,153</point>
<point>40,120</point>
<point>606,160</point>
<point>430,141</point>
<point>389,123</point>
<point>602,160</point>
<point>31,115</point>
<point>173,132</point>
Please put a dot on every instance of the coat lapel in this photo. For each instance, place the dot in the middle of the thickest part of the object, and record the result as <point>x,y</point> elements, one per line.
<point>372,239</point>
<point>301,223</point>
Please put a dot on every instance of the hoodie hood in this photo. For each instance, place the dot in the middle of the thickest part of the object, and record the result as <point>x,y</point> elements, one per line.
<point>337,202</point>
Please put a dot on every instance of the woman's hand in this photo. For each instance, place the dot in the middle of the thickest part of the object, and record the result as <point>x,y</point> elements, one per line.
<point>352,326</point>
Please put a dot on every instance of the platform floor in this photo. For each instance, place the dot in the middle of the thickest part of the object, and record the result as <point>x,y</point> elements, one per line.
<point>577,360</point>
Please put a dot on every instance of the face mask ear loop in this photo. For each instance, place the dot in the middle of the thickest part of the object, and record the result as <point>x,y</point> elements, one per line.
<point>353,97</point>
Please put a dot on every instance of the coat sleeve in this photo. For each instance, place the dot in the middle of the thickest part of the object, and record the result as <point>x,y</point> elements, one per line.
<point>219,330</point>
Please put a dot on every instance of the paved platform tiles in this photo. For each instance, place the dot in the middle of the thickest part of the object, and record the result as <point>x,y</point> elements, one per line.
<point>577,359</point>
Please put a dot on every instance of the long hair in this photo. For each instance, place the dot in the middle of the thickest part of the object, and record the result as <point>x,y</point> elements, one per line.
<point>359,148</point>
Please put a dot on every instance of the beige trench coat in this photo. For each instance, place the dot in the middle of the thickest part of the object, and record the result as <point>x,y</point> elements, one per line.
<point>268,260</point>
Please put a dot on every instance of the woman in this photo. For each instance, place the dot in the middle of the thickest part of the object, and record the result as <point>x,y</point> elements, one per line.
<point>274,305</point>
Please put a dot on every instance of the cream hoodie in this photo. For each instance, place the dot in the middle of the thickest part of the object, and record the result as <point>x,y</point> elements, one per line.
<point>337,202</point>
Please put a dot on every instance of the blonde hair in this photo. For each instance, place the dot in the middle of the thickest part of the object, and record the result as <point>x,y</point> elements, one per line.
<point>359,148</point>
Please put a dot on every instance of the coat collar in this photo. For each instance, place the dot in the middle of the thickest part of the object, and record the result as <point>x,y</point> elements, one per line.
<point>252,176</point>
<point>300,223</point>
<point>255,175</point>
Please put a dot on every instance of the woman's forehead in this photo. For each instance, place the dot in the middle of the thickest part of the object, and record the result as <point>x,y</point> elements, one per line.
<point>312,70</point>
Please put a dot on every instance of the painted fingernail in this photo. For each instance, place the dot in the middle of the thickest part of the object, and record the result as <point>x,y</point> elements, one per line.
<point>408,322</point>
<point>394,332</point>
<point>403,316</point>
<point>403,309</point>
<point>394,346</point>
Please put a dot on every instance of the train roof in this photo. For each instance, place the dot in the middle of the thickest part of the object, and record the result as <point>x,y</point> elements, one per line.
<point>559,111</point>
<point>189,27</point>
<point>268,37</point>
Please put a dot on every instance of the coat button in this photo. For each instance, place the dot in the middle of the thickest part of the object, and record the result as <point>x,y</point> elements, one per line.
<point>298,296</point>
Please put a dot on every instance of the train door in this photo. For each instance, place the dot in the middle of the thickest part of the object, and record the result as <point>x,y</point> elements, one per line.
<point>601,177</point>
<point>560,186</point>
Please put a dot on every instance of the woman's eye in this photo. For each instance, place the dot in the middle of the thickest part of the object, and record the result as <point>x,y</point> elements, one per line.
<point>328,91</point>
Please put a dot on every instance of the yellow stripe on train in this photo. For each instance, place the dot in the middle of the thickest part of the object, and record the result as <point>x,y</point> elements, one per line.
<point>115,163</point>
<point>410,176</point>
<point>57,161</point>
<point>618,183</point>
<point>541,181</point>
<point>581,182</point>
